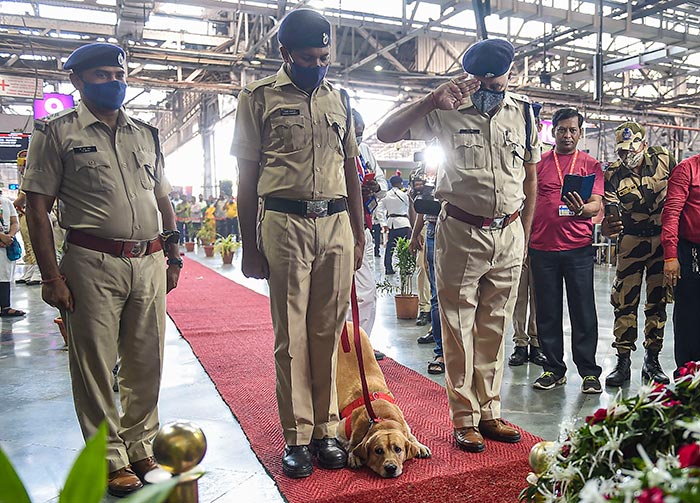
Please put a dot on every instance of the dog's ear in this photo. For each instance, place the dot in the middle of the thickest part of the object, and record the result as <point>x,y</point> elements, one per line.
<point>411,450</point>
<point>360,452</point>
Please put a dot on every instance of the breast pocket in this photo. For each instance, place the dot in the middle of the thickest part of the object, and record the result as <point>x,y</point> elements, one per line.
<point>93,172</point>
<point>337,127</point>
<point>288,134</point>
<point>146,162</point>
<point>514,146</point>
<point>469,150</point>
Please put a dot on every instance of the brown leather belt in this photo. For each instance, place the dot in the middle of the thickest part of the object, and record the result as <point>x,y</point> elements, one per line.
<point>118,248</point>
<point>492,224</point>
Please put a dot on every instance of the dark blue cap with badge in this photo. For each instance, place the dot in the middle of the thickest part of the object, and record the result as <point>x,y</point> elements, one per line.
<point>489,58</point>
<point>303,28</point>
<point>94,55</point>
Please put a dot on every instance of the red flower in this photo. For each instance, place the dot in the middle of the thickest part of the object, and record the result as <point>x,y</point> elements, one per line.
<point>689,455</point>
<point>565,451</point>
<point>651,495</point>
<point>672,403</point>
<point>690,368</point>
<point>597,417</point>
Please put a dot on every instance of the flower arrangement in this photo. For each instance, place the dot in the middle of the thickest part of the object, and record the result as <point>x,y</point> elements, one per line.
<point>643,449</point>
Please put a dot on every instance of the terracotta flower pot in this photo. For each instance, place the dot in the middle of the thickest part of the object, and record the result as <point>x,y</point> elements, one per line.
<point>227,258</point>
<point>62,328</point>
<point>209,250</point>
<point>406,306</point>
<point>189,246</point>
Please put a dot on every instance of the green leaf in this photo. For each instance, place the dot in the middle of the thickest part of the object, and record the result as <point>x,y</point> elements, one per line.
<point>11,490</point>
<point>87,479</point>
<point>153,493</point>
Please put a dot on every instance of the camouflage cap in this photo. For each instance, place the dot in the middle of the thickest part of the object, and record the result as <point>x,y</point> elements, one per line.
<point>629,135</point>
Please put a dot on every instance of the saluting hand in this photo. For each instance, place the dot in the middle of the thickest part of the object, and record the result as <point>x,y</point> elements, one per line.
<point>57,294</point>
<point>455,92</point>
<point>254,264</point>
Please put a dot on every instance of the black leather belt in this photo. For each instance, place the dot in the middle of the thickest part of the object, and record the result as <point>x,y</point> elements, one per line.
<point>491,224</point>
<point>395,215</point>
<point>308,209</point>
<point>642,233</point>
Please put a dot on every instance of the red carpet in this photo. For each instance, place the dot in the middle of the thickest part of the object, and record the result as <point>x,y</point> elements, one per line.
<point>234,341</point>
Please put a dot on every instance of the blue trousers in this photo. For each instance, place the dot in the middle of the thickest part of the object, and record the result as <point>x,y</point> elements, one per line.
<point>434,308</point>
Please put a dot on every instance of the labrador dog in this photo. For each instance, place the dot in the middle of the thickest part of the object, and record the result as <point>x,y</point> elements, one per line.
<point>383,446</point>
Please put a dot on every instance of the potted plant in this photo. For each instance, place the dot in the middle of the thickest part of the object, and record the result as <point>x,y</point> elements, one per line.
<point>189,244</point>
<point>207,236</point>
<point>405,300</point>
<point>226,246</point>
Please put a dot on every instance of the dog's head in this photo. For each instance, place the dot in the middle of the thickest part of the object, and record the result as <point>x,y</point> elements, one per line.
<point>384,449</point>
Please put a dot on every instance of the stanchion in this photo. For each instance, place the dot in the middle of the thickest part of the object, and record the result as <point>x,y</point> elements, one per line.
<point>178,448</point>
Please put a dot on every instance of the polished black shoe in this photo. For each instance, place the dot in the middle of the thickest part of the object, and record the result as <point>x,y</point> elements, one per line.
<point>621,373</point>
<point>537,356</point>
<point>378,355</point>
<point>423,319</point>
<point>328,453</point>
<point>426,339</point>
<point>296,462</point>
<point>651,368</point>
<point>519,356</point>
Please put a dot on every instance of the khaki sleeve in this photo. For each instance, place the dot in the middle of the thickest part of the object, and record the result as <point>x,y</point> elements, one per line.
<point>351,148</point>
<point>44,170</point>
<point>248,129</point>
<point>424,129</point>
<point>163,187</point>
<point>536,151</point>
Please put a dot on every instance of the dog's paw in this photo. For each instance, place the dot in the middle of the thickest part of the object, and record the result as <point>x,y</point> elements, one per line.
<point>354,461</point>
<point>423,451</point>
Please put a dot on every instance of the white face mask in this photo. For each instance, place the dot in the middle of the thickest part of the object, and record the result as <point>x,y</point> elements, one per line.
<point>633,159</point>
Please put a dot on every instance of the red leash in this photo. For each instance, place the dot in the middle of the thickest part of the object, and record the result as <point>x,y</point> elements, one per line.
<point>344,339</point>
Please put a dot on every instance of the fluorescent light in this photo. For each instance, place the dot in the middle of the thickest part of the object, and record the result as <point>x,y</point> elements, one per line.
<point>378,68</point>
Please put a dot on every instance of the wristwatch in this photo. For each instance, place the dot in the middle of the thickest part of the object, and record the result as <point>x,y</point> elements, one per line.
<point>176,261</point>
<point>170,237</point>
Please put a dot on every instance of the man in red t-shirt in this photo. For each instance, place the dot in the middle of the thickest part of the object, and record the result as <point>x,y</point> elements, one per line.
<point>561,252</point>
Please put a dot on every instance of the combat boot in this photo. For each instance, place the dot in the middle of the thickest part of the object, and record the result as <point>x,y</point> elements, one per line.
<point>651,368</point>
<point>621,373</point>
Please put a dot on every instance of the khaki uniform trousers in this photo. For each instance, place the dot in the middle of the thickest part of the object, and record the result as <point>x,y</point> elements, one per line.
<point>635,256</point>
<point>311,268</point>
<point>119,313</point>
<point>423,280</point>
<point>477,273</point>
<point>524,328</point>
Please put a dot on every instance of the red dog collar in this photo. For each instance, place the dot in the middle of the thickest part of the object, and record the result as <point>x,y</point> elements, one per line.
<point>347,411</point>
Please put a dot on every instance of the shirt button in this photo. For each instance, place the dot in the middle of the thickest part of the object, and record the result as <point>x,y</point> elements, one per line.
<point>315,122</point>
<point>137,227</point>
<point>133,195</point>
<point>123,165</point>
<point>91,163</point>
<point>318,145</point>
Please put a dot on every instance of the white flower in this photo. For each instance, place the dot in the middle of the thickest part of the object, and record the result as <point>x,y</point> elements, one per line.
<point>532,478</point>
<point>612,446</point>
<point>618,410</point>
<point>592,492</point>
<point>692,428</point>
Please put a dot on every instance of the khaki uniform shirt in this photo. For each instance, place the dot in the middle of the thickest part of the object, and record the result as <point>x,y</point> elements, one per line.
<point>296,138</point>
<point>107,183</point>
<point>641,197</point>
<point>483,171</point>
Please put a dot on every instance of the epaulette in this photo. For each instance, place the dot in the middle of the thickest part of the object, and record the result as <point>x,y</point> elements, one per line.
<point>658,151</point>
<point>519,97</point>
<point>144,124</point>
<point>41,124</point>
<point>271,79</point>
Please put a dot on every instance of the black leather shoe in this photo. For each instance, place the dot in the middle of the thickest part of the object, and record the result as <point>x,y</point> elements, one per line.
<point>423,319</point>
<point>621,373</point>
<point>296,462</point>
<point>426,339</point>
<point>328,453</point>
<point>519,356</point>
<point>651,368</point>
<point>537,356</point>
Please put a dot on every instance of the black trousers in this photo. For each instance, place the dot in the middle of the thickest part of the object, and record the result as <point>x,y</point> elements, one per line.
<point>686,308</point>
<point>394,234</point>
<point>551,271</point>
<point>377,236</point>
<point>4,294</point>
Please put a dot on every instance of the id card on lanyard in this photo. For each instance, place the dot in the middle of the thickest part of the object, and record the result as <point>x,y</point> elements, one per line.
<point>564,210</point>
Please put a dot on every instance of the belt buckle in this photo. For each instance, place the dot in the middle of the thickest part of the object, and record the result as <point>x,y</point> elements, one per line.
<point>138,248</point>
<point>496,223</point>
<point>316,209</point>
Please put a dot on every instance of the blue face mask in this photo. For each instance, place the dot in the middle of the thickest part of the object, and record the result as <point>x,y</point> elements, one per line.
<point>485,100</point>
<point>107,96</point>
<point>307,78</point>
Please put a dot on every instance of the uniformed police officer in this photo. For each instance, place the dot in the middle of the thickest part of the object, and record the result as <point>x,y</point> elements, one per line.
<point>106,170</point>
<point>489,187</point>
<point>636,186</point>
<point>296,150</point>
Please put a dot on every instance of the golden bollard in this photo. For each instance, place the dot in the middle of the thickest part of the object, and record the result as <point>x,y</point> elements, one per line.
<point>540,456</point>
<point>178,448</point>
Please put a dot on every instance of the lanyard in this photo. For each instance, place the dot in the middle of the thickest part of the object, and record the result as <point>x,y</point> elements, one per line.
<point>572,164</point>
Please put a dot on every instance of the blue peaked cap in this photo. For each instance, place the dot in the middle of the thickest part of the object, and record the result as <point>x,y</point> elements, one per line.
<point>489,58</point>
<point>94,55</point>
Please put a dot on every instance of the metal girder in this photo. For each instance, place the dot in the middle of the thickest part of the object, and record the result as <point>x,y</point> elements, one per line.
<point>377,46</point>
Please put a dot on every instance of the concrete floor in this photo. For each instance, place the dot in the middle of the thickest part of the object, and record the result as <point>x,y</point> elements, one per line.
<point>40,434</point>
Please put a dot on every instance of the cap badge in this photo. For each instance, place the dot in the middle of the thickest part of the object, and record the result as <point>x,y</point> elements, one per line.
<point>325,38</point>
<point>120,59</point>
<point>626,134</point>
<point>489,75</point>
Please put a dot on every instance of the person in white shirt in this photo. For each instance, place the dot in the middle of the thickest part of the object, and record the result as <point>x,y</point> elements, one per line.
<point>396,204</point>
<point>9,226</point>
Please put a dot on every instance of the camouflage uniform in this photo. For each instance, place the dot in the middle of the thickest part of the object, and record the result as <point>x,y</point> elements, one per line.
<point>641,199</point>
